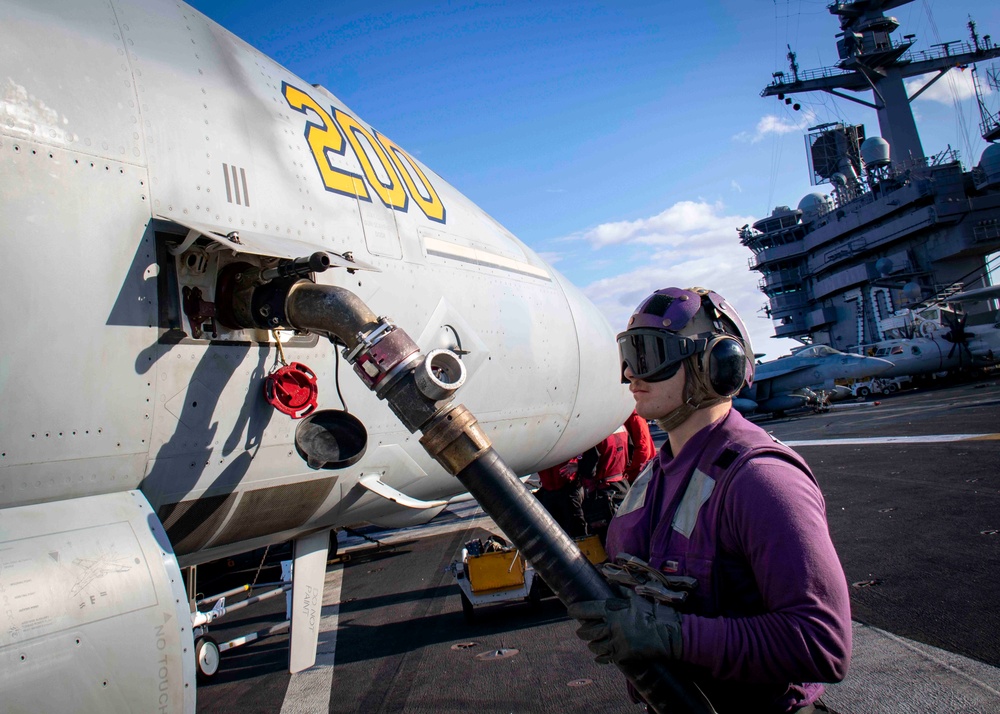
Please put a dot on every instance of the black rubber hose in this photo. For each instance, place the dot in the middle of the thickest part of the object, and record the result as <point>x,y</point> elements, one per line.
<point>558,560</point>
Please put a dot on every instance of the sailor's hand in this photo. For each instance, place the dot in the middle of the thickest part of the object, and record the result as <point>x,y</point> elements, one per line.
<point>629,628</point>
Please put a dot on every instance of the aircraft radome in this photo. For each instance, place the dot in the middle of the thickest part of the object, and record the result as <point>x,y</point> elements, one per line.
<point>156,171</point>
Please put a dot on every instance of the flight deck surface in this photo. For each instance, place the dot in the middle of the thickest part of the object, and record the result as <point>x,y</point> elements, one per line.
<point>913,500</point>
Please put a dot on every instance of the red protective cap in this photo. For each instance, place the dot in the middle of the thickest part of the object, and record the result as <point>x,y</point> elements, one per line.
<point>292,390</point>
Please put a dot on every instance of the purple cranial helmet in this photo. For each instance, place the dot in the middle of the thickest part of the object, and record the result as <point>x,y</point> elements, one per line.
<point>666,309</point>
<point>673,325</point>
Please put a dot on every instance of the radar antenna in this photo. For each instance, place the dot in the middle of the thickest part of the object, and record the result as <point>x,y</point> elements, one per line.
<point>793,63</point>
<point>872,61</point>
<point>989,125</point>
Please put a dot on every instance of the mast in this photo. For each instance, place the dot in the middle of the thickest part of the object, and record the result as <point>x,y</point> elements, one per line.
<point>870,60</point>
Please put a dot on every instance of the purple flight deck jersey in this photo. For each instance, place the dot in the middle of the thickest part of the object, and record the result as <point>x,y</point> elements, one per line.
<point>742,513</point>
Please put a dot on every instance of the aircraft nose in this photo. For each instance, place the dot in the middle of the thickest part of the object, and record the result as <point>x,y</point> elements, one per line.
<point>875,365</point>
<point>602,401</point>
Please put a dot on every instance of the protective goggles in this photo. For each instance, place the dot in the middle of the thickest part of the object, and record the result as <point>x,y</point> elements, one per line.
<point>655,355</point>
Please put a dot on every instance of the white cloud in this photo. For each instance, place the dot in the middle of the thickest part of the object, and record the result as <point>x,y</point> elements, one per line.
<point>723,271</point>
<point>550,257</point>
<point>773,124</point>
<point>677,225</point>
<point>689,244</point>
<point>736,186</point>
<point>957,84</point>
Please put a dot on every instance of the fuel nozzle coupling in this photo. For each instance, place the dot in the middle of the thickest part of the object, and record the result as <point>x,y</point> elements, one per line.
<point>416,386</point>
<point>455,439</point>
<point>381,354</point>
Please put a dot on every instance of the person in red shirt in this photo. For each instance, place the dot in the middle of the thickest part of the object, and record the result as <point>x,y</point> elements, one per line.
<point>561,493</point>
<point>642,447</point>
<point>602,472</point>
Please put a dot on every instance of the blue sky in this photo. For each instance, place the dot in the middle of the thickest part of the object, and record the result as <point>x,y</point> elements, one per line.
<point>623,141</point>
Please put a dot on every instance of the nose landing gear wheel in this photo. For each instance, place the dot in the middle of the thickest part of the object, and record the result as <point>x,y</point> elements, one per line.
<point>206,657</point>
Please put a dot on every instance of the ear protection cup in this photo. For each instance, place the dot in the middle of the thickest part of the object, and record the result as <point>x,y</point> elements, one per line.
<point>724,363</point>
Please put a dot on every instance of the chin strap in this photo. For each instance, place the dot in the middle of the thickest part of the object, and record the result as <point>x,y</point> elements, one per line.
<point>698,394</point>
<point>675,418</point>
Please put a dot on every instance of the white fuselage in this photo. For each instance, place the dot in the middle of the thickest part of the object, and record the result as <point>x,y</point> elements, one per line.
<point>150,119</point>
<point>145,149</point>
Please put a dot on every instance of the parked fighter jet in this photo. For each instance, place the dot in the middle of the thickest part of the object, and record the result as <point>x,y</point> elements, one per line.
<point>181,218</point>
<point>793,381</point>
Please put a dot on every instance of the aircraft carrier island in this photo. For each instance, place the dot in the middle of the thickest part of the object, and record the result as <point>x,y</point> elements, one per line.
<point>900,231</point>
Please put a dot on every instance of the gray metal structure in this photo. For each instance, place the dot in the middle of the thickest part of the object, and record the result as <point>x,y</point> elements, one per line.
<point>899,228</point>
<point>150,162</point>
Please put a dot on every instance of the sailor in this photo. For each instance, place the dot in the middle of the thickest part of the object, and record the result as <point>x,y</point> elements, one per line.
<point>604,464</point>
<point>602,471</point>
<point>641,447</point>
<point>561,493</point>
<point>724,535</point>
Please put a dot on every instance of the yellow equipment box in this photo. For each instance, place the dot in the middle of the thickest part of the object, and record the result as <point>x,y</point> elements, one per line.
<point>489,572</point>
<point>504,570</point>
<point>591,547</point>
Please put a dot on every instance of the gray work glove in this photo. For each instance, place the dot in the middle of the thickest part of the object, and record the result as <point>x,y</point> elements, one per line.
<point>628,628</point>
